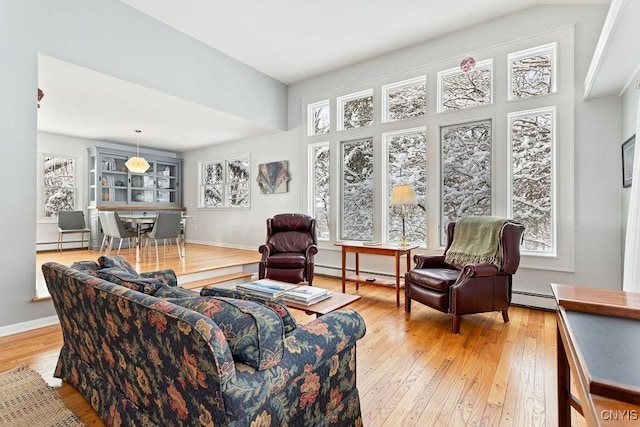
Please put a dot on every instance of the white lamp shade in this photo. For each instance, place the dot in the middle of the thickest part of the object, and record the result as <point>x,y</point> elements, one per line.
<point>402,195</point>
<point>137,165</point>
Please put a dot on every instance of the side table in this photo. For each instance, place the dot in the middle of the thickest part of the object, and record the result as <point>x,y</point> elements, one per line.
<point>384,249</point>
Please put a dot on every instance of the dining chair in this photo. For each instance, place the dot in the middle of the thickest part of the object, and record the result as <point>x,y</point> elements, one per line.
<point>106,231</point>
<point>168,225</point>
<point>116,229</point>
<point>72,222</point>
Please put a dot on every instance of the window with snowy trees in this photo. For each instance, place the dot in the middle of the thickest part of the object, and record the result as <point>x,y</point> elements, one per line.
<point>320,118</point>
<point>458,90</point>
<point>532,175</point>
<point>320,188</point>
<point>407,165</point>
<point>465,171</point>
<point>356,110</point>
<point>531,72</point>
<point>225,183</point>
<point>404,100</point>
<point>485,141</point>
<point>59,184</point>
<point>357,190</point>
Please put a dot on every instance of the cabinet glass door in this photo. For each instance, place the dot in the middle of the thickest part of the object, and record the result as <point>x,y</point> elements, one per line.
<point>166,183</point>
<point>113,179</point>
<point>142,188</point>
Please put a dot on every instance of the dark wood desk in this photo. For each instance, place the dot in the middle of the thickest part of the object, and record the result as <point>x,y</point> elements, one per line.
<point>598,341</point>
<point>383,249</point>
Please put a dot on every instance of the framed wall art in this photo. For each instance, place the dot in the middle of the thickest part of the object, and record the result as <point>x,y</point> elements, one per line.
<point>628,149</point>
<point>273,177</point>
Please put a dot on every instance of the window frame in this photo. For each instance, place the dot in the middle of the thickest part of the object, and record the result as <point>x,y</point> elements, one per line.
<point>43,188</point>
<point>311,125</point>
<point>224,183</point>
<point>341,100</point>
<point>486,63</point>
<point>422,79</point>
<point>553,46</point>
<point>311,179</point>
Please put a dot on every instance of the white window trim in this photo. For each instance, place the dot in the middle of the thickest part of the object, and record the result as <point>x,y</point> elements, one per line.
<point>553,47</point>
<point>399,85</point>
<point>340,101</point>
<point>311,180</point>
<point>386,137</point>
<point>224,182</point>
<point>480,65</point>
<point>310,123</point>
<point>77,197</point>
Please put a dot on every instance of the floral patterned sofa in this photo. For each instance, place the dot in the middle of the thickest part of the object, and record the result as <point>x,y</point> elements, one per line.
<point>143,351</point>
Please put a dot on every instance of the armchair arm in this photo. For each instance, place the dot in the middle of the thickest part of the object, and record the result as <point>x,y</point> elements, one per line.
<point>167,276</point>
<point>429,261</point>
<point>479,270</point>
<point>265,250</point>
<point>310,252</point>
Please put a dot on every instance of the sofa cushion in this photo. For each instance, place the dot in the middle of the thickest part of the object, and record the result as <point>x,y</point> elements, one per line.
<point>287,260</point>
<point>174,292</point>
<point>254,332</point>
<point>90,267</point>
<point>124,278</point>
<point>116,261</point>
<point>276,304</point>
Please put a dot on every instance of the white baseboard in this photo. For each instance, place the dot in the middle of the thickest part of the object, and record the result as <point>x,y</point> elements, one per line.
<point>16,328</point>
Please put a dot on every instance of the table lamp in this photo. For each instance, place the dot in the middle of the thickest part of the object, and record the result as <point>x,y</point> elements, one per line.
<point>402,195</point>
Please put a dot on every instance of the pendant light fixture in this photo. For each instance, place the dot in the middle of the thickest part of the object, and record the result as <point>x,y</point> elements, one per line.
<point>137,164</point>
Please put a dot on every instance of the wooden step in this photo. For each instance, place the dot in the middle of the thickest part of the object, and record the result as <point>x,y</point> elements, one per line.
<point>216,280</point>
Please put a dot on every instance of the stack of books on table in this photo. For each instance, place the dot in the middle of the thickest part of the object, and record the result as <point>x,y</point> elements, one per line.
<point>266,288</point>
<point>306,295</point>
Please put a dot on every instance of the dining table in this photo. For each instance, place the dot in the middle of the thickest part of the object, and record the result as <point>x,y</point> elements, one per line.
<point>144,222</point>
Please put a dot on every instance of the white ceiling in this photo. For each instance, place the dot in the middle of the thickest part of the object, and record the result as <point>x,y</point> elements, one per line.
<point>289,40</point>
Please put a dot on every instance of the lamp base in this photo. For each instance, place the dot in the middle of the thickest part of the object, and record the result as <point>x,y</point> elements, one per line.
<point>403,242</point>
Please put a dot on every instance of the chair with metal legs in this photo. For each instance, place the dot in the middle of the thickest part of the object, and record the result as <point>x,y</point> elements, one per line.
<point>117,230</point>
<point>168,225</point>
<point>72,222</point>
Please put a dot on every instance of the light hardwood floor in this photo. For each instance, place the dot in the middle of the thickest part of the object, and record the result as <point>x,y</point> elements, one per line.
<point>411,370</point>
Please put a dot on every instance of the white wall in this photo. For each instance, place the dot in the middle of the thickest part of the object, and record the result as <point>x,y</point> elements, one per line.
<point>243,228</point>
<point>109,37</point>
<point>630,106</point>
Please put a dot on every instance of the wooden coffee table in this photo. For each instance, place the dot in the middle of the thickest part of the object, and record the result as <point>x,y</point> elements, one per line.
<point>336,301</point>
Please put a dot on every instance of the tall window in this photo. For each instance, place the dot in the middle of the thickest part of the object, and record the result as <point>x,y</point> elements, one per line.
<point>320,199</point>
<point>59,184</point>
<point>357,190</point>
<point>466,171</point>
<point>407,164</point>
<point>225,183</point>
<point>532,175</point>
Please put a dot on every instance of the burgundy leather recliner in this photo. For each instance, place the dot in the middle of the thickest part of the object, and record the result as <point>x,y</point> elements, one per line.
<point>472,288</point>
<point>288,252</point>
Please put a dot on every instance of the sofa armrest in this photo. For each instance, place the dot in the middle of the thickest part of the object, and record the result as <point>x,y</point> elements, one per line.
<point>429,261</point>
<point>327,335</point>
<point>168,276</point>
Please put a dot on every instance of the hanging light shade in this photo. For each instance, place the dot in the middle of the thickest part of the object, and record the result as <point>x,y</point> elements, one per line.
<point>137,164</point>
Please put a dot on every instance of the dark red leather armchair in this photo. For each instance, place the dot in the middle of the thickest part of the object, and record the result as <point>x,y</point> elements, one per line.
<point>472,288</point>
<point>288,253</point>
